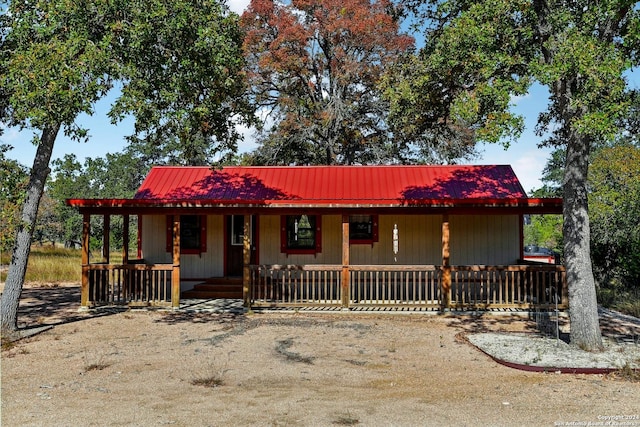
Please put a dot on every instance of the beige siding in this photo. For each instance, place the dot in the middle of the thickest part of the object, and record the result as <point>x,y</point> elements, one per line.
<point>270,243</point>
<point>154,245</point>
<point>487,239</point>
<point>484,239</point>
<point>208,264</point>
<point>419,242</point>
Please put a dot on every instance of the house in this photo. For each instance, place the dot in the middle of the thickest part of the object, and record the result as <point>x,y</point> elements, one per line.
<point>345,236</point>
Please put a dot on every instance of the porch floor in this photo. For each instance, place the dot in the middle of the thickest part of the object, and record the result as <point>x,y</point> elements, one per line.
<point>234,306</point>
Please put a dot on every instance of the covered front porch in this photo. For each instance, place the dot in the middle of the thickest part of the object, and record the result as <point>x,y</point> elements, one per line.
<point>437,237</point>
<point>136,282</point>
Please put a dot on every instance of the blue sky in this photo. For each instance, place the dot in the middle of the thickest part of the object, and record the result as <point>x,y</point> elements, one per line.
<point>524,155</point>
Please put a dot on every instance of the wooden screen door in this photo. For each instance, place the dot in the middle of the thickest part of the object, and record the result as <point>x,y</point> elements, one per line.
<point>234,244</point>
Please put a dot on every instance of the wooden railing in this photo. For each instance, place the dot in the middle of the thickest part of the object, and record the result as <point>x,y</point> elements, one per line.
<point>512,286</point>
<point>130,284</point>
<point>391,285</point>
<point>472,287</point>
<point>295,285</point>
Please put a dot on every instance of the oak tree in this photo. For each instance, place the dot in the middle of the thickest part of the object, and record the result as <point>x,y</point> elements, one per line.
<point>177,64</point>
<point>314,68</point>
<point>480,54</point>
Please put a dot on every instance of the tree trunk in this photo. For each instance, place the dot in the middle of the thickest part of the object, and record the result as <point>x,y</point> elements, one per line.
<point>583,306</point>
<point>15,279</point>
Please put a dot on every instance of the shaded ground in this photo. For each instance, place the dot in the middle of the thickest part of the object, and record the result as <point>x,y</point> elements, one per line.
<point>195,369</point>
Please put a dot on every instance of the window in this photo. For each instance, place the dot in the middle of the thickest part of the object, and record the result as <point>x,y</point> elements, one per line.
<point>363,229</point>
<point>237,230</point>
<point>300,234</point>
<point>193,234</point>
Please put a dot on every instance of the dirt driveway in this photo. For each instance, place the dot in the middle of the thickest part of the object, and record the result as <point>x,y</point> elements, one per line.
<point>150,368</point>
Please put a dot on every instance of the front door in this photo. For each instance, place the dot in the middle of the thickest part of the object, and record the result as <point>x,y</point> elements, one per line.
<point>234,244</point>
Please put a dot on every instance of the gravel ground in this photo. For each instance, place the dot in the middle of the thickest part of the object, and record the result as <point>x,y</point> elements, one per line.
<point>149,368</point>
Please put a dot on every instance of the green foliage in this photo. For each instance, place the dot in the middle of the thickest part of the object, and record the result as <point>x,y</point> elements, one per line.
<point>474,61</point>
<point>13,181</point>
<point>614,203</point>
<point>182,78</point>
<point>545,231</point>
<point>178,65</point>
<point>484,52</point>
<point>58,61</point>
<point>115,176</point>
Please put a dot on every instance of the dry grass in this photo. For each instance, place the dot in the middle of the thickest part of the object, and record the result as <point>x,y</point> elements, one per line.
<point>346,420</point>
<point>211,382</point>
<point>53,265</point>
<point>626,373</point>
<point>50,265</point>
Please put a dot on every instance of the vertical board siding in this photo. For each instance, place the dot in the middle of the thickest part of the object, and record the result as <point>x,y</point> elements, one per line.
<point>420,242</point>
<point>154,245</point>
<point>475,239</point>
<point>270,252</point>
<point>207,264</point>
<point>484,239</point>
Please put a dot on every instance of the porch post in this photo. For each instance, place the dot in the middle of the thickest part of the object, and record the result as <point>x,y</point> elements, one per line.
<point>106,231</point>
<point>345,282</point>
<point>84,290</point>
<point>125,239</point>
<point>175,272</point>
<point>125,256</point>
<point>246,260</point>
<point>445,294</point>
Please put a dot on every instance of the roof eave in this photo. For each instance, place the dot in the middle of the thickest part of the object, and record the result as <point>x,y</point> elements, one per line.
<point>526,205</point>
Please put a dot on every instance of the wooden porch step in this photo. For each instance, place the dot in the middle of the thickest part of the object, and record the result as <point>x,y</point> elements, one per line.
<point>216,288</point>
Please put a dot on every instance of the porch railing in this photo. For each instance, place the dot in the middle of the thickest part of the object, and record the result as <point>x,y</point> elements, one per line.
<point>130,284</point>
<point>472,287</point>
<point>295,285</point>
<point>512,286</point>
<point>390,285</point>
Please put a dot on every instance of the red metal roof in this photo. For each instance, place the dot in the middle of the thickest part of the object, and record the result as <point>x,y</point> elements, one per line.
<point>312,184</point>
<point>296,187</point>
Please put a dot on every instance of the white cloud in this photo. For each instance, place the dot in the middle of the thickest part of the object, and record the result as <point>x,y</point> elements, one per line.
<point>238,6</point>
<point>528,167</point>
<point>248,142</point>
<point>8,134</point>
<point>516,99</point>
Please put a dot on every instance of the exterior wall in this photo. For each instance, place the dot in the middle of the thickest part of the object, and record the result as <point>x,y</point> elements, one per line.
<point>270,243</point>
<point>208,264</point>
<point>484,239</point>
<point>419,242</point>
